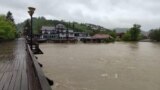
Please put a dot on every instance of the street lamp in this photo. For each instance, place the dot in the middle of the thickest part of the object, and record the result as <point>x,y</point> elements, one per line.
<point>67,33</point>
<point>31,12</point>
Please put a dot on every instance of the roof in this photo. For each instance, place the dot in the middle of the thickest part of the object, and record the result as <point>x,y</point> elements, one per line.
<point>47,28</point>
<point>81,32</point>
<point>61,26</point>
<point>101,36</point>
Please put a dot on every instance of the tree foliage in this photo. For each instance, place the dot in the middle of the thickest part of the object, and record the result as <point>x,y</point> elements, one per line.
<point>27,28</point>
<point>7,28</point>
<point>127,36</point>
<point>10,17</point>
<point>133,34</point>
<point>155,34</point>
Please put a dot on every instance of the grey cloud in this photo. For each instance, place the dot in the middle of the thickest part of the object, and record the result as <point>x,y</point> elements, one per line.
<point>108,13</point>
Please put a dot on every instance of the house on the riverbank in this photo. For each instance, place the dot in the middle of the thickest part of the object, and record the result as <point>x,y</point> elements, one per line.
<point>97,38</point>
<point>80,35</point>
<point>60,33</point>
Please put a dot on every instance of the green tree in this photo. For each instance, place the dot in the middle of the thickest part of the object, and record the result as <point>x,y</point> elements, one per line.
<point>135,32</point>
<point>113,33</point>
<point>127,36</point>
<point>27,28</point>
<point>155,34</point>
<point>9,16</point>
<point>7,29</point>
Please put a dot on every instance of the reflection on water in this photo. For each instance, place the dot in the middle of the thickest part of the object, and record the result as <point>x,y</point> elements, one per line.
<point>114,66</point>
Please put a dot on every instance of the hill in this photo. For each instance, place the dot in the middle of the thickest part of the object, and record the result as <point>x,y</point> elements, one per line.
<point>77,27</point>
<point>121,30</point>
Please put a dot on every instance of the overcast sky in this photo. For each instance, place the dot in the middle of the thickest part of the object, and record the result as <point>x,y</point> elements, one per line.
<point>107,13</point>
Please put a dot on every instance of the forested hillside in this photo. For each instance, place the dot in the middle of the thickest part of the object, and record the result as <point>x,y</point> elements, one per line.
<point>79,27</point>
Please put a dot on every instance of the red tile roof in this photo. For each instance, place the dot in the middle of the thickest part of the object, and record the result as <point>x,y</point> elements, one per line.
<point>101,36</point>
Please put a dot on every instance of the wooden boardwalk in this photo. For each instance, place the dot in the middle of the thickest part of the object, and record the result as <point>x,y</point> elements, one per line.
<point>20,70</point>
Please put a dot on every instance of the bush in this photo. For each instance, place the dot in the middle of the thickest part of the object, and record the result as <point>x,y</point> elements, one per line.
<point>109,40</point>
<point>127,36</point>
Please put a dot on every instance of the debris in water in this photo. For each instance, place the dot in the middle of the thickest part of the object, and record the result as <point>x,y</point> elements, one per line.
<point>116,75</point>
<point>104,75</point>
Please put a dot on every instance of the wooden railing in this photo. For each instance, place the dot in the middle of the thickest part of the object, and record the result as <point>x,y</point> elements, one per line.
<point>44,85</point>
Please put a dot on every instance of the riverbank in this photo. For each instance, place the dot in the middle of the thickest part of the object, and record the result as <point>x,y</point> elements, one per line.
<point>146,40</point>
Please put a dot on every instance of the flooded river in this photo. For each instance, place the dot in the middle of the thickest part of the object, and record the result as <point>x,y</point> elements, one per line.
<point>113,66</point>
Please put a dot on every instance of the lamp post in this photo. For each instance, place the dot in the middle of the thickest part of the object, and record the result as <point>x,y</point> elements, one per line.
<point>31,12</point>
<point>67,33</point>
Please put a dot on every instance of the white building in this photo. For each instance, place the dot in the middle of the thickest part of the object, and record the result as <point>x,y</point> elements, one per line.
<point>57,32</point>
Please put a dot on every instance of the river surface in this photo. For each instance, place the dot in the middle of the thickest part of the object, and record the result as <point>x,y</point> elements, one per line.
<point>113,66</point>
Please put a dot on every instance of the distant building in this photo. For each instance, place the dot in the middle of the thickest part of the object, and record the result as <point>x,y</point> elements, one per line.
<point>60,32</point>
<point>120,35</point>
<point>57,32</point>
<point>48,32</point>
<point>102,36</point>
<point>79,35</point>
<point>97,38</point>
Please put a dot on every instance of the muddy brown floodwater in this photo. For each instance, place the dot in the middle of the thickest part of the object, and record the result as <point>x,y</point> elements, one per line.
<point>113,66</point>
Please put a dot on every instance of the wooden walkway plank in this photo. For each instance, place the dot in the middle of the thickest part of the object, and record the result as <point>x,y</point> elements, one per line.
<point>18,81</point>
<point>4,67</point>
<point>16,65</point>
<point>1,67</point>
<point>21,64</point>
<point>8,80</point>
<point>13,80</point>
<point>24,82</point>
<point>8,66</point>
<point>10,69</point>
<point>1,75</point>
<point>25,65</point>
<point>3,80</point>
